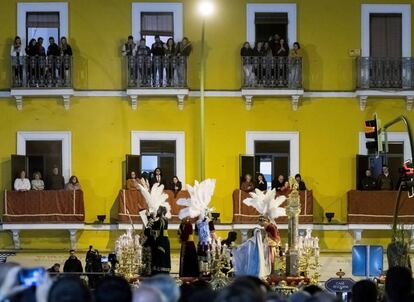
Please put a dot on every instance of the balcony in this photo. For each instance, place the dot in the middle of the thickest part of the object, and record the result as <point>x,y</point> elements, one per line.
<point>156,76</point>
<point>271,76</point>
<point>41,76</point>
<point>385,77</point>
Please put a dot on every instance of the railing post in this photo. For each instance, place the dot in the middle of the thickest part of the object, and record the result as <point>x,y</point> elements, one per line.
<point>406,73</point>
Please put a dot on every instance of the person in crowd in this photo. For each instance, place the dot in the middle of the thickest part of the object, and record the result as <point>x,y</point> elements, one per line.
<point>22,183</point>
<point>274,41</point>
<point>54,269</point>
<point>176,185</point>
<point>17,53</point>
<point>368,183</point>
<point>53,49</point>
<point>398,284</point>
<point>37,182</point>
<point>280,184</point>
<point>147,294</point>
<point>148,246</point>
<point>132,182</point>
<point>268,63</point>
<point>157,178</point>
<point>40,49</point>
<point>384,181</point>
<point>72,264</point>
<point>111,289</point>
<point>282,48</point>
<point>364,291</point>
<point>55,181</point>
<point>295,55</point>
<point>272,239</point>
<point>261,182</point>
<point>258,68</point>
<point>31,53</point>
<point>301,183</point>
<point>246,53</point>
<point>65,49</point>
<point>184,49</point>
<point>247,185</point>
<point>170,52</point>
<point>166,285</point>
<point>69,289</point>
<point>73,184</point>
<point>157,50</point>
<point>129,48</point>
<point>188,254</point>
<point>31,49</point>
<point>143,55</point>
<point>161,261</point>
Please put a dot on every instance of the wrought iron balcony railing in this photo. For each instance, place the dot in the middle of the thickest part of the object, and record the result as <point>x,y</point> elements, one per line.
<point>156,71</point>
<point>271,72</point>
<point>385,73</point>
<point>41,72</point>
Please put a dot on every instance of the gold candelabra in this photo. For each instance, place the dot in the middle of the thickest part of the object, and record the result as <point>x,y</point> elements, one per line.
<point>128,251</point>
<point>220,265</point>
<point>308,264</point>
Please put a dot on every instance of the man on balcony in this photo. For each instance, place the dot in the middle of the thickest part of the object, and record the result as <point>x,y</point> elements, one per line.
<point>143,54</point>
<point>157,50</point>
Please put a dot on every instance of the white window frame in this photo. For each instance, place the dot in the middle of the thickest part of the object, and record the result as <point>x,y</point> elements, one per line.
<point>64,136</point>
<point>404,9</point>
<point>392,137</point>
<point>177,136</point>
<point>140,7</point>
<point>289,8</point>
<point>292,137</point>
<point>24,8</point>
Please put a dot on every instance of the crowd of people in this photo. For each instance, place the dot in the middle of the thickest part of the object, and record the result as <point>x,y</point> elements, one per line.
<point>280,184</point>
<point>156,177</point>
<point>384,181</point>
<point>54,181</point>
<point>164,64</point>
<point>163,288</point>
<point>36,66</point>
<point>271,63</point>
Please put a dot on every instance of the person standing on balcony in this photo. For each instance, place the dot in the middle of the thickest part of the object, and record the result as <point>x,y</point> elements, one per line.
<point>384,181</point>
<point>261,182</point>
<point>143,55</point>
<point>73,184</point>
<point>22,183</point>
<point>247,185</point>
<point>31,52</point>
<point>17,54</point>
<point>170,52</point>
<point>129,48</point>
<point>258,53</point>
<point>268,65</point>
<point>40,49</point>
<point>55,181</point>
<point>184,49</point>
<point>37,182</point>
<point>246,53</point>
<point>295,64</point>
<point>282,51</point>
<point>274,41</point>
<point>368,183</point>
<point>53,51</point>
<point>157,50</point>
<point>66,53</point>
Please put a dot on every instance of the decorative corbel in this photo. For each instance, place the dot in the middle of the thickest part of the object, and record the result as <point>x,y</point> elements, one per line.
<point>248,101</point>
<point>295,102</point>
<point>180,101</point>
<point>19,102</point>
<point>66,102</point>
<point>363,102</point>
<point>409,102</point>
<point>134,102</point>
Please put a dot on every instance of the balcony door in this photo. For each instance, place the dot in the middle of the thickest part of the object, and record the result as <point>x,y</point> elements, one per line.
<point>385,35</point>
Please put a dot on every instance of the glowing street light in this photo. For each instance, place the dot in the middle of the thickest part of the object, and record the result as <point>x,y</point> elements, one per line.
<point>206,8</point>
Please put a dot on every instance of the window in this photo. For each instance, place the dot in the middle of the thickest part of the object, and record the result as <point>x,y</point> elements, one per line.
<point>161,24</point>
<point>160,149</point>
<point>263,19</point>
<point>45,149</point>
<point>384,19</point>
<point>163,19</point>
<point>42,19</point>
<point>42,24</point>
<point>274,153</point>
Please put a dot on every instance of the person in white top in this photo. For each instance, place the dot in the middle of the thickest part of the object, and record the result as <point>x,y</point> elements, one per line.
<point>22,184</point>
<point>37,182</point>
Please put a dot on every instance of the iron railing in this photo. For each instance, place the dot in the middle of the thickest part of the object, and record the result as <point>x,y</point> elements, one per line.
<point>271,72</point>
<point>156,71</point>
<point>385,73</point>
<point>41,72</point>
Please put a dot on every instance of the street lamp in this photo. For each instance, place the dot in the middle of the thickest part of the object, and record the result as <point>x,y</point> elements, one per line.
<point>205,8</point>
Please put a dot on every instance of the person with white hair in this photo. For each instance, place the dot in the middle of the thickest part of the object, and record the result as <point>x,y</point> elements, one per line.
<point>165,285</point>
<point>147,294</point>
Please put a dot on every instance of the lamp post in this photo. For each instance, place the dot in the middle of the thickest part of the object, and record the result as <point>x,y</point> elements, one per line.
<point>205,9</point>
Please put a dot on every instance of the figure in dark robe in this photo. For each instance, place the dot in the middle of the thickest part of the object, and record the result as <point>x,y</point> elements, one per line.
<point>148,243</point>
<point>188,254</point>
<point>161,257</point>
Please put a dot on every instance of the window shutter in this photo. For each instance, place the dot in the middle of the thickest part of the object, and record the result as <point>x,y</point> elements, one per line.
<point>157,24</point>
<point>271,18</point>
<point>42,19</point>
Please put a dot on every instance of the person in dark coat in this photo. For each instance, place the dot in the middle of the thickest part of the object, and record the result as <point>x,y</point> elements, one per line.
<point>188,254</point>
<point>148,244</point>
<point>157,50</point>
<point>184,49</point>
<point>72,264</point>
<point>261,182</point>
<point>301,183</point>
<point>384,181</point>
<point>176,185</point>
<point>65,49</point>
<point>143,57</point>
<point>368,183</point>
<point>31,49</point>
<point>40,49</point>
<point>157,178</point>
<point>53,49</point>
<point>161,257</point>
<point>55,181</point>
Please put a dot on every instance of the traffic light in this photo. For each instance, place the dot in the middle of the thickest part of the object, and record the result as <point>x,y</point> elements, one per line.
<point>373,135</point>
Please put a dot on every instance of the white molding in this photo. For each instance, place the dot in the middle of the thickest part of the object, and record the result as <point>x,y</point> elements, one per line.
<point>175,8</point>
<point>404,9</point>
<point>178,136</point>
<point>289,8</point>
<point>24,8</point>
<point>392,137</point>
<point>329,94</point>
<point>64,136</point>
<point>216,93</point>
<point>100,93</point>
<point>292,137</point>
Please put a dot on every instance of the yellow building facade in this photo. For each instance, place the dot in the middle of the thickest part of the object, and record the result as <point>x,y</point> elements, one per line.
<point>328,118</point>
